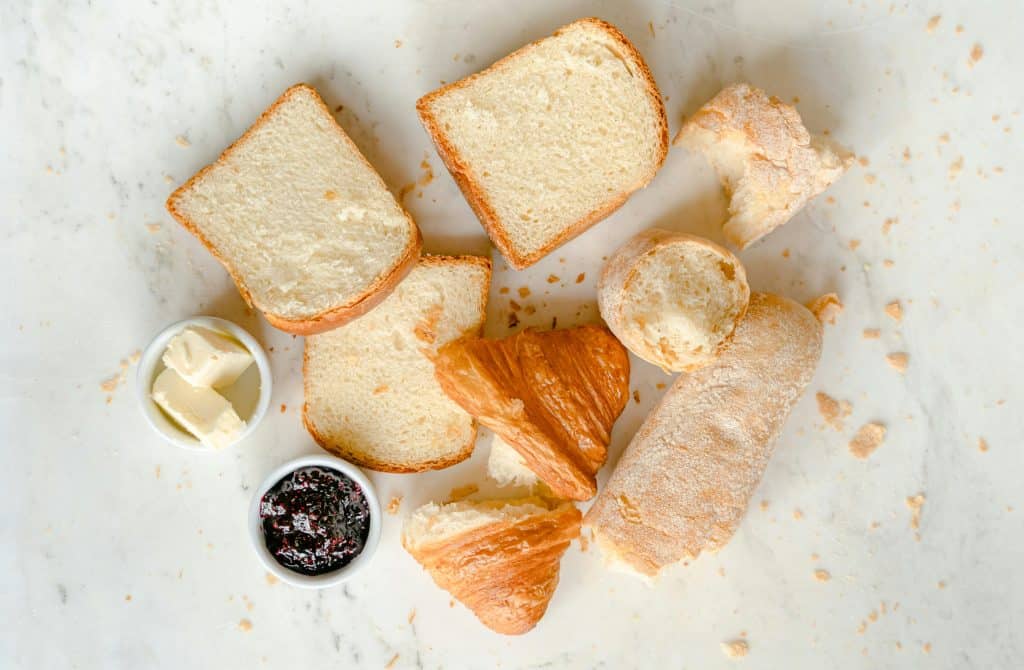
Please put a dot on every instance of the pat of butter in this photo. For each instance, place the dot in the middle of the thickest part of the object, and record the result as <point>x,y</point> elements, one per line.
<point>204,357</point>
<point>201,411</point>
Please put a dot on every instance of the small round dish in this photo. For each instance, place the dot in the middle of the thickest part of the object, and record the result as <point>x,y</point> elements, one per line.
<point>250,394</point>
<point>334,577</point>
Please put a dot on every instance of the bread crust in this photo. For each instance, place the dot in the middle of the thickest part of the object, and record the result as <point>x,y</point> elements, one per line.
<point>367,460</point>
<point>621,271</point>
<point>474,192</point>
<point>505,572</point>
<point>684,482</point>
<point>327,319</point>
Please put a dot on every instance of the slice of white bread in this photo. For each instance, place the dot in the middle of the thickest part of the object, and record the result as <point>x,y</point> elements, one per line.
<point>684,482</point>
<point>371,394</point>
<point>673,299</point>
<point>552,138</point>
<point>302,222</point>
<point>769,165</point>
<point>500,558</point>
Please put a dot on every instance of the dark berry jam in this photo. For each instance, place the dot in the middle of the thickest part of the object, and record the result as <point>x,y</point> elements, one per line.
<point>315,520</point>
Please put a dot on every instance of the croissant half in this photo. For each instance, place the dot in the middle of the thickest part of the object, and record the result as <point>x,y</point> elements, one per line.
<point>498,558</point>
<point>553,396</point>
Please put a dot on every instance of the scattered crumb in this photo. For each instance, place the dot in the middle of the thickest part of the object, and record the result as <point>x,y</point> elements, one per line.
<point>503,290</point>
<point>515,306</point>
<point>153,228</point>
<point>894,310</point>
<point>864,161</point>
<point>245,625</point>
<point>898,361</point>
<point>814,557</point>
<point>871,333</point>
<point>451,602</point>
<point>406,190</point>
<point>182,141</point>
<point>721,571</point>
<point>944,138</point>
<point>650,27</point>
<point>584,543</point>
<point>660,386</point>
<point>868,438</point>
<point>128,598</point>
<point>888,262</point>
<point>888,224</point>
<point>636,396</point>
<point>785,252</point>
<point>941,584</point>
<point>832,410</point>
<point>428,173</point>
<point>156,471</point>
<point>956,167</point>
<point>524,291</point>
<point>530,309</point>
<point>830,200</point>
<point>383,388</point>
<point>271,579</point>
<point>822,575</point>
<point>391,663</point>
<point>826,307</point>
<point>735,648</point>
<point>853,244</point>
<point>412,615</point>
<point>580,277</point>
<point>797,514</point>
<point>552,279</point>
<point>906,153</point>
<point>513,320</point>
<point>927,647</point>
<point>933,23</point>
<point>914,504</point>
<point>284,408</point>
<point>394,505</point>
<point>764,505</point>
<point>398,44</point>
<point>460,492</point>
<point>976,54</point>
<point>982,445</point>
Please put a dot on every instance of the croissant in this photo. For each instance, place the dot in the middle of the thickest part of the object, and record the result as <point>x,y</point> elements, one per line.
<point>553,396</point>
<point>498,558</point>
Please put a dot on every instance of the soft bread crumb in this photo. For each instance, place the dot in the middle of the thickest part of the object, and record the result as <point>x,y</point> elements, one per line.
<point>245,625</point>
<point>982,445</point>
<point>822,575</point>
<point>394,505</point>
<point>182,141</point>
<point>553,279</point>
<point>826,308</point>
<point>871,333</point>
<point>888,224</point>
<point>391,663</point>
<point>153,228</point>
<point>460,492</point>
<point>580,277</point>
<point>933,23</point>
<point>271,579</point>
<point>833,411</point>
<point>898,361</point>
<point>868,438</point>
<point>524,291</point>
<point>976,54</point>
<point>894,310</point>
<point>412,615</point>
<point>735,648</point>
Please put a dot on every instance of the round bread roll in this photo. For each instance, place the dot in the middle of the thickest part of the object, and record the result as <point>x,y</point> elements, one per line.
<point>672,298</point>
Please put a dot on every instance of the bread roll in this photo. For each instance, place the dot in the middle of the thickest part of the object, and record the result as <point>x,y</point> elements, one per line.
<point>672,298</point>
<point>769,165</point>
<point>684,482</point>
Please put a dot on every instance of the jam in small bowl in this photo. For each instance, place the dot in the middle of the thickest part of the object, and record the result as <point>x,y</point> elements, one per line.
<point>315,521</point>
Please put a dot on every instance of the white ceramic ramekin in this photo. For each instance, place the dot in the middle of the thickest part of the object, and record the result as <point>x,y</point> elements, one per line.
<point>343,573</point>
<point>250,395</point>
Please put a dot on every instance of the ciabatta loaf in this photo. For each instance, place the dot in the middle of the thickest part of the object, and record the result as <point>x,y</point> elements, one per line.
<point>684,482</point>
<point>552,138</point>
<point>768,163</point>
<point>498,558</point>
<point>371,395</point>
<point>553,396</point>
<point>302,222</point>
<point>672,298</point>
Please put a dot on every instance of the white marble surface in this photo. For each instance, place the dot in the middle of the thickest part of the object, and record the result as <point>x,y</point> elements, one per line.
<point>120,551</point>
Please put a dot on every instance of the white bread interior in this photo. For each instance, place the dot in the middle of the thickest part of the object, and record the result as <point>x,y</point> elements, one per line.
<point>673,299</point>
<point>551,139</point>
<point>297,215</point>
<point>371,394</point>
<point>433,523</point>
<point>768,163</point>
<point>507,467</point>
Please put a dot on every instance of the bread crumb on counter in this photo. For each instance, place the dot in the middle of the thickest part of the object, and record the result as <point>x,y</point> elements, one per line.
<point>888,224</point>
<point>898,361</point>
<point>460,492</point>
<point>926,647</point>
<point>524,291</point>
<point>871,333</point>
<point>977,52</point>
<point>735,648</point>
<point>764,505</point>
<point>636,396</point>
<point>822,575</point>
<point>412,615</point>
<point>394,505</point>
<point>580,277</point>
<point>833,411</point>
<point>271,579</point>
<point>245,625</point>
<point>182,141</point>
<point>826,308</point>
<point>284,408</point>
<point>797,515</point>
<point>933,23</point>
<point>895,310</point>
<point>868,438</point>
<point>853,244</point>
<point>915,503</point>
<point>982,445</point>
<point>153,228</point>
<point>391,663</point>
<point>553,279</point>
